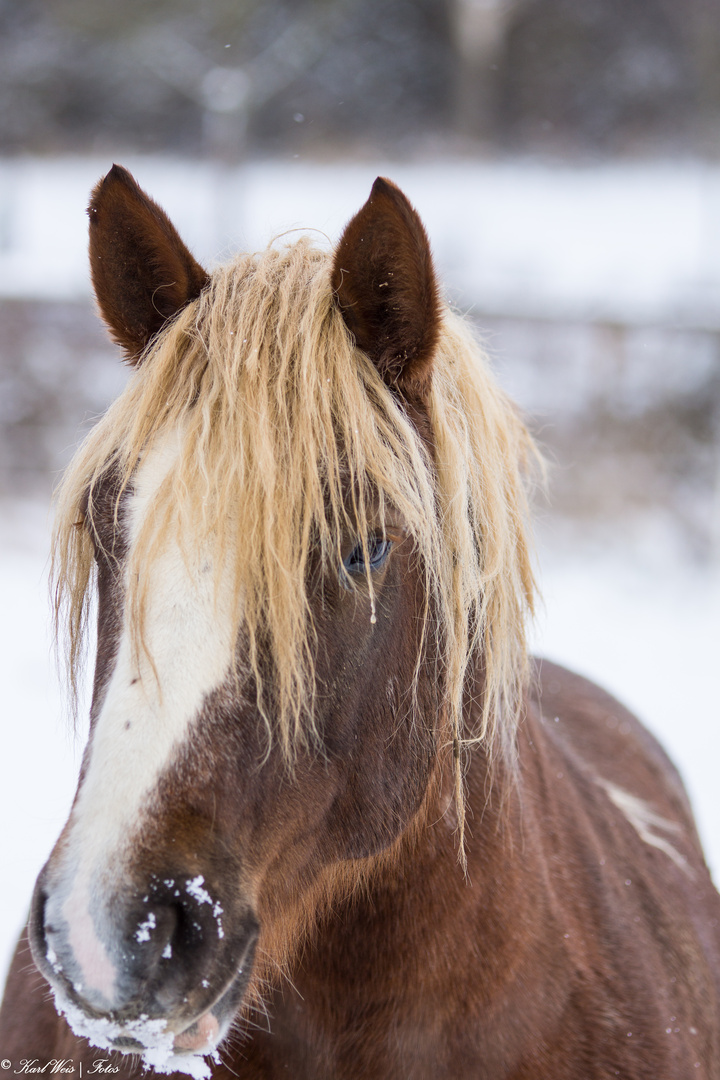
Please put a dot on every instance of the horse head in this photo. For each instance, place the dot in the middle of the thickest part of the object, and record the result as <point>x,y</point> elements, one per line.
<point>288,611</point>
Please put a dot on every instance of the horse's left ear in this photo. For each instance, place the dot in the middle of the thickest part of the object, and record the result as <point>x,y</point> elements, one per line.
<point>142,272</point>
<point>385,285</point>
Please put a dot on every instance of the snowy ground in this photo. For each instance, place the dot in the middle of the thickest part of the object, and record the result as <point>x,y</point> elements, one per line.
<point>629,611</point>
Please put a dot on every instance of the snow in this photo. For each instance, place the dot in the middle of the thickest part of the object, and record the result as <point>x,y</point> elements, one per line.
<point>39,753</point>
<point>195,889</point>
<point>634,613</point>
<point>158,1052</point>
<point>144,928</point>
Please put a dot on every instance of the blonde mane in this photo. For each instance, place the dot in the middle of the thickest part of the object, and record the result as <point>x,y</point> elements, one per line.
<point>290,440</point>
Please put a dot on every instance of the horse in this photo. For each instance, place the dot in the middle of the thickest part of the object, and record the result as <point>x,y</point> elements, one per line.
<point>332,821</point>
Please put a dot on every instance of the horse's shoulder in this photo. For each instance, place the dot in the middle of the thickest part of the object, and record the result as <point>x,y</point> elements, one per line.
<point>600,738</point>
<point>615,805</point>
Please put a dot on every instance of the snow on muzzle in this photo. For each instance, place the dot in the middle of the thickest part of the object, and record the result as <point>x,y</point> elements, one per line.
<point>158,969</point>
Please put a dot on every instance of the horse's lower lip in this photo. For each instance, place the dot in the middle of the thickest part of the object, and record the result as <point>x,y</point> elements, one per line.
<point>202,1036</point>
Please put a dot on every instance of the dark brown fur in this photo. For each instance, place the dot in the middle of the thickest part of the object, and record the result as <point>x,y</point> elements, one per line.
<point>572,950</point>
<point>385,285</point>
<point>133,240</point>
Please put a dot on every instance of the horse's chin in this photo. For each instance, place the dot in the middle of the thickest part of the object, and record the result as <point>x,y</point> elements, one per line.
<point>161,1045</point>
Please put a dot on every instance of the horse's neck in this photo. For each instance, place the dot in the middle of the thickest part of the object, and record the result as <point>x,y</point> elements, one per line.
<point>388,972</point>
<point>442,928</point>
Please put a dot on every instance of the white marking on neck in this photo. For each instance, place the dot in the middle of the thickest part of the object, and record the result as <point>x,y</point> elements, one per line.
<point>147,714</point>
<point>644,820</point>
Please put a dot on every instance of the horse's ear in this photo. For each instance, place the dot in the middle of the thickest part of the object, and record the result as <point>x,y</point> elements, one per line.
<point>141,270</point>
<point>385,285</point>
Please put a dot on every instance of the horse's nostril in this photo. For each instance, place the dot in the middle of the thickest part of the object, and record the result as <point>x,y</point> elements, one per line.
<point>183,929</point>
<point>168,940</point>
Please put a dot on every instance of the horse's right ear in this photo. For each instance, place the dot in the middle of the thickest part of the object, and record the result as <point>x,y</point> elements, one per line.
<point>142,272</point>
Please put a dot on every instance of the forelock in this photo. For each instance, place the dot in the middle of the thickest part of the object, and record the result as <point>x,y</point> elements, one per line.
<point>290,440</point>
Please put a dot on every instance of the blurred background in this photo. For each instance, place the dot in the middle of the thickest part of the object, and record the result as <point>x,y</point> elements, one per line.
<point>565,157</point>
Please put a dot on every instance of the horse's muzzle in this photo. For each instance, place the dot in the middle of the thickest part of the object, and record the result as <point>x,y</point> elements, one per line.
<point>165,964</point>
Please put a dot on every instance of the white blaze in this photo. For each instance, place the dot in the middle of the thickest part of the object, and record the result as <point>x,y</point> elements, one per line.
<point>147,715</point>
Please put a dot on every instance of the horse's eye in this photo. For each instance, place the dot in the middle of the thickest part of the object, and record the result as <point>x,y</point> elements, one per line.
<point>378,549</point>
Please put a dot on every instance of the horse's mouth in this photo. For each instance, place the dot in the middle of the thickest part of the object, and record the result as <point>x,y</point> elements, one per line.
<point>200,1037</point>
<point>204,1034</point>
<point>156,1039</point>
